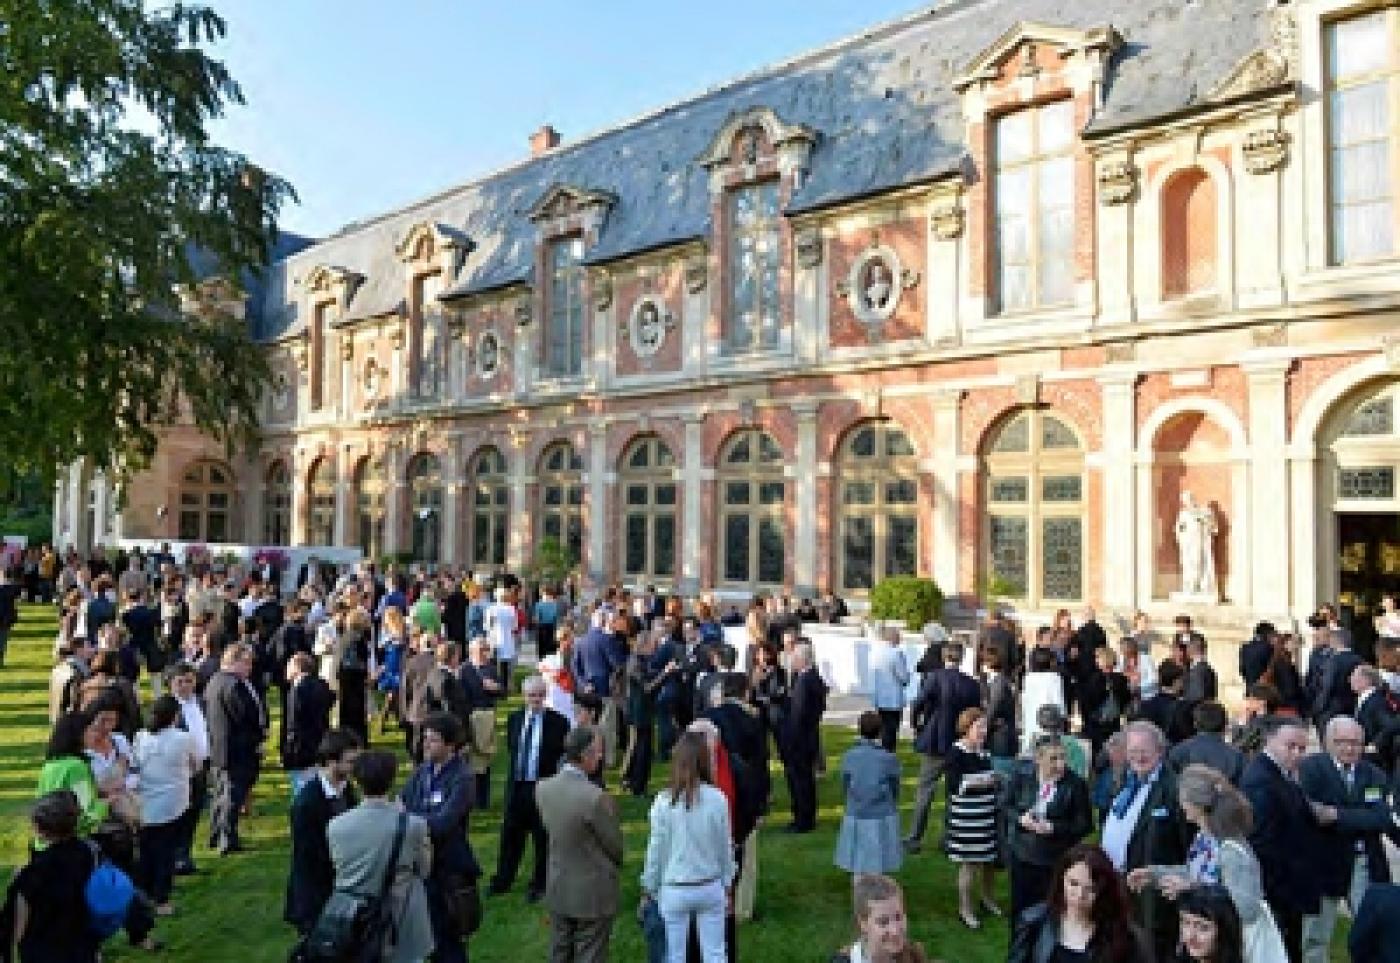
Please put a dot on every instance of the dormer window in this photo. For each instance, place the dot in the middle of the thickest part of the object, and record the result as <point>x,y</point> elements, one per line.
<point>563,336</point>
<point>1034,204</point>
<point>753,259</point>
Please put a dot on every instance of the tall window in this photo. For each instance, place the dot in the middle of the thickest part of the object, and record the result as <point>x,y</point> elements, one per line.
<point>432,366</point>
<point>370,509</point>
<point>561,497</point>
<point>425,505</point>
<point>206,503</point>
<point>1035,509</point>
<point>490,508</point>
<point>563,339</point>
<point>277,505</point>
<point>321,519</point>
<point>648,485</point>
<point>1035,207</point>
<point>751,496</point>
<point>753,267</point>
<point>879,500</point>
<point>1363,80</point>
<point>318,364</point>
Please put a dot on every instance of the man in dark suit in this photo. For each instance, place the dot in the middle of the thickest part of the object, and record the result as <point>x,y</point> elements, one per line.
<point>1208,746</point>
<point>801,734</point>
<point>237,727</point>
<point>1285,837</point>
<point>597,655</point>
<point>413,689</point>
<point>1000,637</point>
<point>1086,640</point>
<point>1257,653</point>
<point>1166,709</point>
<point>443,692</point>
<point>943,695</point>
<point>326,795</point>
<point>1373,934</point>
<point>1374,714</point>
<point>1201,683</point>
<point>454,613</point>
<point>1352,855</point>
<point>1337,697</point>
<point>534,744</point>
<point>307,719</point>
<point>1145,827</point>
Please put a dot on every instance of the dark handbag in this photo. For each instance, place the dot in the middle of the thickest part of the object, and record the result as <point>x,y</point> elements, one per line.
<point>464,904</point>
<point>358,937</point>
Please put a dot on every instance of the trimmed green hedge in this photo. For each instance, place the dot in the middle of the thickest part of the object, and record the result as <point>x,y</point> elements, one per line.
<point>916,601</point>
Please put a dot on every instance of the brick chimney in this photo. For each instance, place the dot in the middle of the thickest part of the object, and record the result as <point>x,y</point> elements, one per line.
<point>543,140</point>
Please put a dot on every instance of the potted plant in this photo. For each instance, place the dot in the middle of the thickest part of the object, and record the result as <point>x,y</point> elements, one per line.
<point>906,601</point>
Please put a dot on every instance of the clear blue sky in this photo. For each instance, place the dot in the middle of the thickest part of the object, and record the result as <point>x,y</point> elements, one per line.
<point>368,104</point>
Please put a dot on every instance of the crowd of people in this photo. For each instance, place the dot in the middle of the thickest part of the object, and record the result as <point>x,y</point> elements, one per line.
<point>1217,839</point>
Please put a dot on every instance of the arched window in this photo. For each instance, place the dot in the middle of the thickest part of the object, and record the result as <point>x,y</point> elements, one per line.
<point>1188,234</point>
<point>425,506</point>
<point>206,503</point>
<point>1034,469</point>
<point>320,523</point>
<point>879,498</point>
<point>490,508</point>
<point>561,497</point>
<point>648,485</point>
<point>751,496</point>
<point>277,505</point>
<point>370,509</point>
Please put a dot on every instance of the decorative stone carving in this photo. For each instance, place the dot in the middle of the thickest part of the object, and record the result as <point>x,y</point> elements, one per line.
<point>1390,345</point>
<point>456,325</point>
<point>809,247</point>
<point>1120,352</point>
<point>281,394</point>
<point>792,142</point>
<point>347,349</point>
<point>1195,530</point>
<point>1028,389</point>
<point>947,220</point>
<point>909,279</point>
<point>602,291</point>
<point>372,381</point>
<point>487,354</point>
<point>648,325</point>
<point>1259,71</point>
<point>875,283</point>
<point>523,313</point>
<point>301,352</point>
<point>1118,182</point>
<point>1270,336</point>
<point>1265,150</point>
<point>396,339</point>
<point>697,274</point>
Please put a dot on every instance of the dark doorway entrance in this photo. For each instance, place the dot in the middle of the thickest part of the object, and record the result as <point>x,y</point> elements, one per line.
<point>1368,547</point>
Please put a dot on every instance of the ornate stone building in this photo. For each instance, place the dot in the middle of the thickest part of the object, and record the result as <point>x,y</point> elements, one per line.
<point>979,292</point>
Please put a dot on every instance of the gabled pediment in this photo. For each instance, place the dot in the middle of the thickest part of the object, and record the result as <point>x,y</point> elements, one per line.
<point>563,200</point>
<point>1067,40</point>
<point>325,278</point>
<point>779,134</point>
<point>437,235</point>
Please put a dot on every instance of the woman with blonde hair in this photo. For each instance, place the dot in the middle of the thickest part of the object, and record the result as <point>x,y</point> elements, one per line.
<point>884,929</point>
<point>393,642</point>
<point>1219,855</point>
<point>690,865</point>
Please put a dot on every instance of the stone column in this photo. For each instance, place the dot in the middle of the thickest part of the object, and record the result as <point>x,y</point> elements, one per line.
<point>1119,521</point>
<point>451,496</point>
<point>340,526</point>
<point>1114,213</point>
<point>393,499</point>
<point>942,464</point>
<point>396,366</point>
<point>944,267</point>
<point>1268,484</point>
<point>804,568</point>
<point>78,532</point>
<point>56,532</point>
<point>596,568</point>
<point>516,547</point>
<point>101,507</point>
<point>692,462</point>
<point>1302,470</point>
<point>347,377</point>
<point>300,464</point>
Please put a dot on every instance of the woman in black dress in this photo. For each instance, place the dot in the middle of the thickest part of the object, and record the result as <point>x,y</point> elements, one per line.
<point>768,689</point>
<point>970,833</point>
<point>352,654</point>
<point>1103,699</point>
<point>47,895</point>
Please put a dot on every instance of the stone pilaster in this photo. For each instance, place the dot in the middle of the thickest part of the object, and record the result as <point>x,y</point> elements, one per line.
<point>1119,521</point>
<point>804,567</point>
<point>596,563</point>
<point>692,461</point>
<point>1268,484</point>
<point>943,465</point>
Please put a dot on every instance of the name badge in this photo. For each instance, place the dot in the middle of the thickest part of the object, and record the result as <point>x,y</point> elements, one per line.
<point>1160,812</point>
<point>1372,795</point>
<point>435,799</point>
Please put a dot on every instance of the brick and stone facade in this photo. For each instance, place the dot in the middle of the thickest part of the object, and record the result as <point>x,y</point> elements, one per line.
<point>1210,339</point>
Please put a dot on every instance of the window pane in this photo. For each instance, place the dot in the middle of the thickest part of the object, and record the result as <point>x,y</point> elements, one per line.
<point>664,544</point>
<point>190,499</point>
<point>858,544</point>
<point>905,491</point>
<point>1015,437</point>
<point>641,457</point>
<point>498,541</point>
<point>859,493</point>
<point>897,444</point>
<point>636,494</point>
<point>736,548</point>
<point>664,494</point>
<point>189,526</point>
<point>575,539</point>
<point>552,527</point>
<point>1362,232</point>
<point>1360,173</point>
<point>1359,113</point>
<point>1013,137</point>
<point>635,545</point>
<point>902,548</point>
<point>553,495</point>
<point>575,495</point>
<point>1061,558</point>
<point>739,451</point>
<point>1054,433</point>
<point>218,527</point>
<point>770,493</point>
<point>502,496</point>
<point>1015,285</point>
<point>1062,488</point>
<point>1366,483</point>
<point>863,444</point>
<point>736,493</point>
<point>1056,126</point>
<point>1375,417</point>
<point>770,550</point>
<point>768,450</point>
<point>1012,490</point>
<point>1359,45</point>
<point>481,538</point>
<point>483,496</point>
<point>664,458</point>
<point>1008,550</point>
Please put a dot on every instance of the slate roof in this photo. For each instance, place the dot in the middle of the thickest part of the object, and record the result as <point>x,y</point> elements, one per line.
<point>883,105</point>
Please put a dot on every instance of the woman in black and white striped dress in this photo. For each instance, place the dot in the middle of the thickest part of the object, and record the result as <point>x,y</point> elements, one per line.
<point>971,834</point>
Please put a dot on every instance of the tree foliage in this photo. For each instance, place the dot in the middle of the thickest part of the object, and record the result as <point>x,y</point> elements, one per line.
<point>112,194</point>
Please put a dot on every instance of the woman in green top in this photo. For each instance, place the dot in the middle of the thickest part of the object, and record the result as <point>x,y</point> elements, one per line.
<point>426,614</point>
<point>66,767</point>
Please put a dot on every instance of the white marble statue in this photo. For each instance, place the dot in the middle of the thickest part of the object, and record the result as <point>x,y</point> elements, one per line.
<point>877,291</point>
<point>1195,542</point>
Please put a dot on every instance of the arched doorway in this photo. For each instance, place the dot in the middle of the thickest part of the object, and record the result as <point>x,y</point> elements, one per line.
<point>878,506</point>
<point>425,507</point>
<point>752,495</point>
<point>370,508</point>
<point>1034,493</point>
<point>646,479</point>
<point>320,519</point>
<point>277,505</point>
<point>561,498</point>
<point>490,509</point>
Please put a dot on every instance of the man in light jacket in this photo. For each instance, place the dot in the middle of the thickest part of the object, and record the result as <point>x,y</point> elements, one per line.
<point>889,677</point>
<point>585,853</point>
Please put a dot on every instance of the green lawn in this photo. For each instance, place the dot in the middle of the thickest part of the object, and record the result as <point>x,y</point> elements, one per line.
<point>233,909</point>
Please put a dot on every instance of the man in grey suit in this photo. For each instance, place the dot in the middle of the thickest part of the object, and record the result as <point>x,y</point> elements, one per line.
<point>360,843</point>
<point>585,853</point>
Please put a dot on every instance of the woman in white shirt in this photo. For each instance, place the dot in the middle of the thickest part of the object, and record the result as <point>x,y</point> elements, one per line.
<point>1042,686</point>
<point>690,864</point>
<point>164,755</point>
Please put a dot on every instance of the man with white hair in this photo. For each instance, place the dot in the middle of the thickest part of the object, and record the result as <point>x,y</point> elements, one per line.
<point>1352,855</point>
<point>502,627</point>
<point>800,743</point>
<point>535,743</point>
